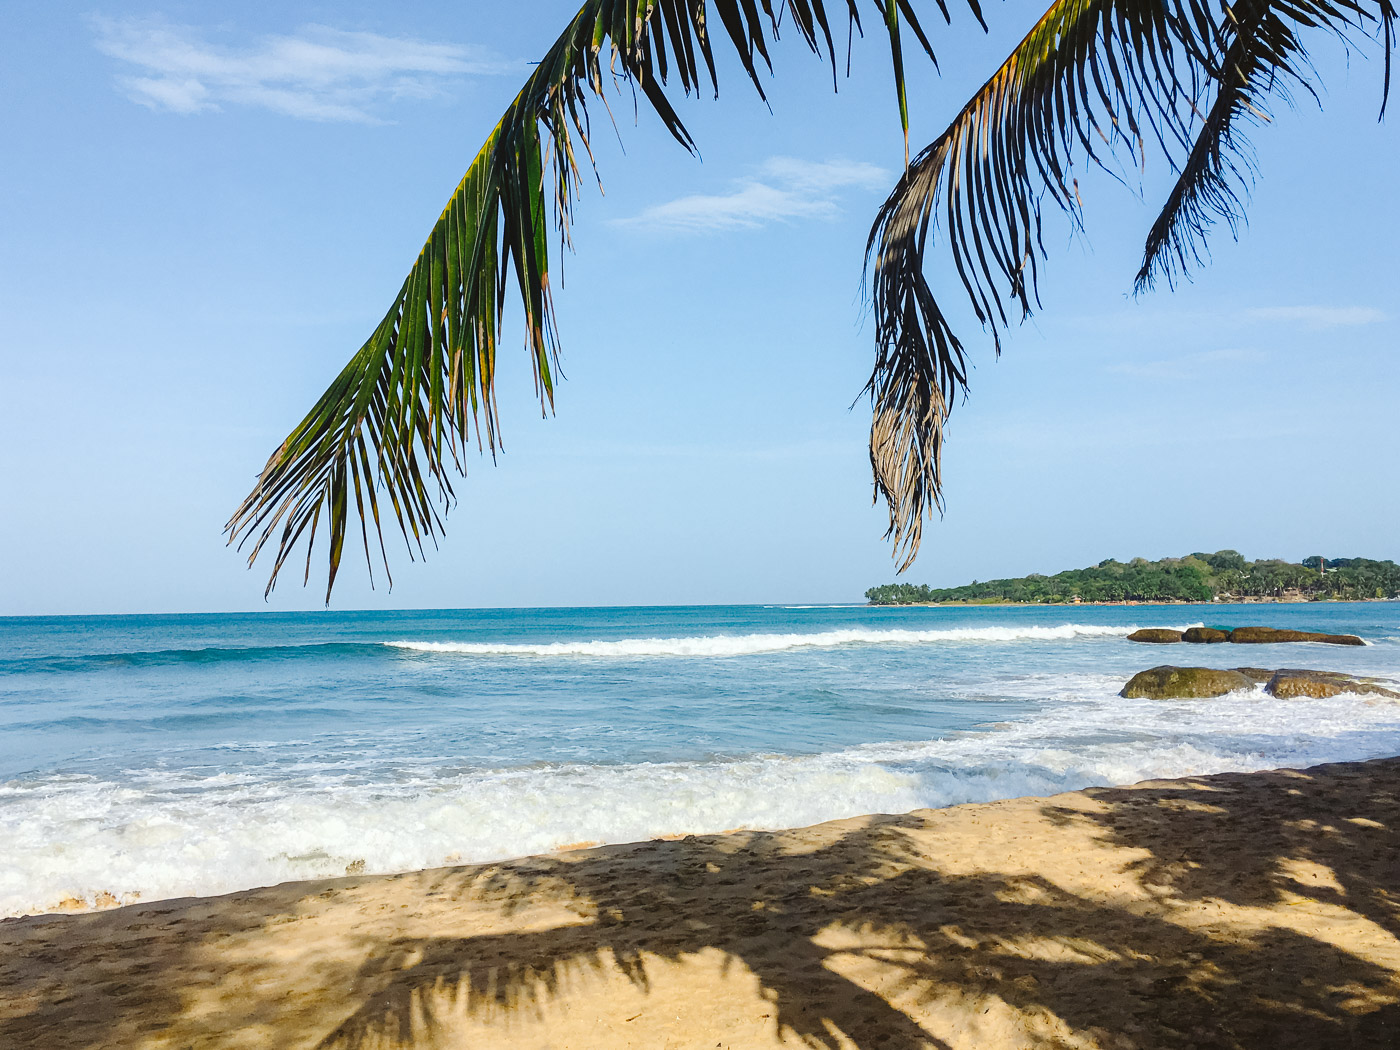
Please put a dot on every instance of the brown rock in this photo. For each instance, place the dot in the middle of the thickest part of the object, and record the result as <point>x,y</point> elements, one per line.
<point>1169,683</point>
<point>1291,684</point>
<point>1155,634</point>
<point>1205,634</point>
<point>1262,635</point>
<point>1256,635</point>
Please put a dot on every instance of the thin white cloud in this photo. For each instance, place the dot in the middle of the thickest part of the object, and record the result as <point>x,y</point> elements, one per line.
<point>1319,316</point>
<point>783,189</point>
<point>318,73</point>
<point>1188,366</point>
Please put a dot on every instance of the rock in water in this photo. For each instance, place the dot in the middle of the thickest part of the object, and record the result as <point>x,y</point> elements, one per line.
<point>1255,635</point>
<point>1205,634</point>
<point>1155,634</point>
<point>1319,685</point>
<point>1170,683</point>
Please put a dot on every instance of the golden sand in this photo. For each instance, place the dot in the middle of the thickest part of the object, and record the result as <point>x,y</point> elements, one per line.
<point>1243,910</point>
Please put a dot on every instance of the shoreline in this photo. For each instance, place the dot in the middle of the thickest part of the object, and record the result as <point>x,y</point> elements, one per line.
<point>1238,909</point>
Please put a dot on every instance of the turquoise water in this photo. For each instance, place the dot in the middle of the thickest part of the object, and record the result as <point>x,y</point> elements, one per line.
<point>156,756</point>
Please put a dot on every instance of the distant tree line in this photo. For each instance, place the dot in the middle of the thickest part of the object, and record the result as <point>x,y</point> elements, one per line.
<point>1196,577</point>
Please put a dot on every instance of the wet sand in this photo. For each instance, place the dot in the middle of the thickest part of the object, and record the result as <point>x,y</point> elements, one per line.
<point>1241,910</point>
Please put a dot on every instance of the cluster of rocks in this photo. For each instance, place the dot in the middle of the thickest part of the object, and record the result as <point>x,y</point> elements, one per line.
<point>1171,683</point>
<point>1239,635</point>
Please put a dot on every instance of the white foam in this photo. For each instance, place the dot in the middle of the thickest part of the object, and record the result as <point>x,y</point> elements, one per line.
<point>752,644</point>
<point>158,834</point>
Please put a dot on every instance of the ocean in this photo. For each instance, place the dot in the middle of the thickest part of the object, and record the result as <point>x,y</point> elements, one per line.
<point>146,757</point>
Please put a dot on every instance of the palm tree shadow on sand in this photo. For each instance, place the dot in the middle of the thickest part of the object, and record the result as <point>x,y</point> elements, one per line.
<point>851,942</point>
<point>1218,912</point>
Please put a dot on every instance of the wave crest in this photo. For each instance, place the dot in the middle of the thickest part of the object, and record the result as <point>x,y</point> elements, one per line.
<point>755,644</point>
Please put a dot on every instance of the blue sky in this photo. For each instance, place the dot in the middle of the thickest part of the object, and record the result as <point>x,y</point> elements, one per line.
<point>207,208</point>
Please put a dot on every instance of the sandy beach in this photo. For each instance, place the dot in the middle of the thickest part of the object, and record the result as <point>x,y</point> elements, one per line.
<point>1238,910</point>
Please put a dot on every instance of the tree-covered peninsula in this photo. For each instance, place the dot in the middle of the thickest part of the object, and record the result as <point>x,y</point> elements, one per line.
<point>1224,575</point>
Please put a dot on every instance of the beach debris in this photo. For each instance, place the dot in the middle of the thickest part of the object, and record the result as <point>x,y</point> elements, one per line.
<point>1173,683</point>
<point>1257,635</point>
<point>102,900</point>
<point>1155,634</point>
<point>1205,634</point>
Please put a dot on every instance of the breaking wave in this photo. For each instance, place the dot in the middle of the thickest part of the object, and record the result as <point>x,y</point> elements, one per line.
<point>156,833</point>
<point>753,644</point>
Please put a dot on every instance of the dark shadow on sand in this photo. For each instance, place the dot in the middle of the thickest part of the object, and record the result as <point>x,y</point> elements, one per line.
<point>871,902</point>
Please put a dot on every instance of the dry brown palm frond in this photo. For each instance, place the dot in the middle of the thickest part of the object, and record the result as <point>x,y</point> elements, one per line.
<point>1092,77</point>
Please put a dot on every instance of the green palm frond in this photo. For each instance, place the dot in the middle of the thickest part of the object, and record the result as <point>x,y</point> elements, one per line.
<point>396,423</point>
<point>1092,77</point>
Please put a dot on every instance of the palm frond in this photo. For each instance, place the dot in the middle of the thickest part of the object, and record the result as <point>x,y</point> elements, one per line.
<point>396,423</point>
<point>1263,56</point>
<point>1092,77</point>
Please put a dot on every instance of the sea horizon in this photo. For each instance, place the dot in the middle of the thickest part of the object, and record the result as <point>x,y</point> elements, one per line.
<point>793,604</point>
